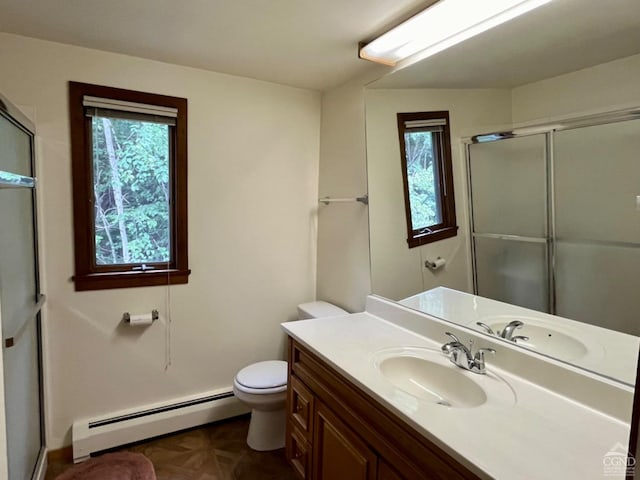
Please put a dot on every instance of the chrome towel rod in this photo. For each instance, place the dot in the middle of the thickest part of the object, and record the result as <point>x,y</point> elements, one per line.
<point>327,200</point>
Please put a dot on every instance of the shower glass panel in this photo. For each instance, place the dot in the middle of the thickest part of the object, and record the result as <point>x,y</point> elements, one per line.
<point>512,271</point>
<point>16,149</point>
<point>597,209</point>
<point>17,262</point>
<point>597,183</point>
<point>508,186</point>
<point>598,284</point>
<point>18,299</point>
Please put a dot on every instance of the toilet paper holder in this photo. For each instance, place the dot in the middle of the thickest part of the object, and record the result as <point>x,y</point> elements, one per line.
<point>126,316</point>
<point>436,264</point>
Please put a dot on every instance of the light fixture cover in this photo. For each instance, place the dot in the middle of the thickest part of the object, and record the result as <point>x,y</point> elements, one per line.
<point>441,26</point>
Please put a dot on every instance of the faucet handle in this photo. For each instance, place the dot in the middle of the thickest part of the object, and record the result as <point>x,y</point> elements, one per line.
<point>481,351</point>
<point>486,327</point>
<point>478,359</point>
<point>519,337</point>
<point>447,347</point>
<point>455,339</point>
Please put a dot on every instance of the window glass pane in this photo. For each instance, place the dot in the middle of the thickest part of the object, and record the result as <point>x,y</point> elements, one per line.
<point>422,175</point>
<point>132,191</point>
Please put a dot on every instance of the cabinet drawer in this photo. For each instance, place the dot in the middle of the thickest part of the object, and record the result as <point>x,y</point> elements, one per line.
<point>298,453</point>
<point>300,407</point>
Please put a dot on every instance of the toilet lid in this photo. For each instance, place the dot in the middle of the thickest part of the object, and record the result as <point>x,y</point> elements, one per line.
<point>269,374</point>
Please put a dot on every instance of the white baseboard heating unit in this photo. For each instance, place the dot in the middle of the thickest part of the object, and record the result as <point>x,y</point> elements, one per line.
<point>121,428</point>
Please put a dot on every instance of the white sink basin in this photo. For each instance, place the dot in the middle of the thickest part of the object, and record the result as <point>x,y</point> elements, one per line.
<point>429,376</point>
<point>560,342</point>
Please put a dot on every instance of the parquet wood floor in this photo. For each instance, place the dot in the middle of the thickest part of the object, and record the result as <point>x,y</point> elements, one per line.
<point>215,452</point>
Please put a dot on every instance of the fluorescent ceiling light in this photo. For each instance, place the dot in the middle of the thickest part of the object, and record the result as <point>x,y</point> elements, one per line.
<point>441,26</point>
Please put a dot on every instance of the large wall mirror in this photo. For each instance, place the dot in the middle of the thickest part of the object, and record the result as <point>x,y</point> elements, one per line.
<point>544,120</point>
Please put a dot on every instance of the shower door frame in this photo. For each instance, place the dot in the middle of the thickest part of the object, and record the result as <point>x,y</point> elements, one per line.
<point>547,129</point>
<point>20,121</point>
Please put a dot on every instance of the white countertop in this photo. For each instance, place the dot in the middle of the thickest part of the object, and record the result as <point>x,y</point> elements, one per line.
<point>542,436</point>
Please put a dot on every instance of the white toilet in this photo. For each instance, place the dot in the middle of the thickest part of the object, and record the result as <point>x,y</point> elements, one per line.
<point>263,387</point>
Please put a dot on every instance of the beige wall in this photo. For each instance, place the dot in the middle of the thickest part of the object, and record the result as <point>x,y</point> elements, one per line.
<point>343,228</point>
<point>603,87</point>
<point>396,270</point>
<point>253,176</point>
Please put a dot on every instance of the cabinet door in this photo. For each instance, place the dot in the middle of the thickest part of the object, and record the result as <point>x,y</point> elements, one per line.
<point>338,452</point>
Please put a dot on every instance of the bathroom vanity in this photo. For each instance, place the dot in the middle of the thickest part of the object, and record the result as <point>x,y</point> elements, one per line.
<point>372,396</point>
<point>336,431</point>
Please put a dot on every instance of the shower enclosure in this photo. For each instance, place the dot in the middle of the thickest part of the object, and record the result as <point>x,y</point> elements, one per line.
<point>20,299</point>
<point>555,218</point>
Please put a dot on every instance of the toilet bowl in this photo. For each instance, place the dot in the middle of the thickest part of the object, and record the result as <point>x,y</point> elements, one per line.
<point>263,387</point>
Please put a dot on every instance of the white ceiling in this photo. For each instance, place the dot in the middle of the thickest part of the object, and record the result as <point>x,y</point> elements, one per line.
<point>559,37</point>
<point>313,43</point>
<point>304,43</point>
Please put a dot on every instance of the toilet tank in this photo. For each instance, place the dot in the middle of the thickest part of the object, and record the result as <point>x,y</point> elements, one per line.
<point>319,309</point>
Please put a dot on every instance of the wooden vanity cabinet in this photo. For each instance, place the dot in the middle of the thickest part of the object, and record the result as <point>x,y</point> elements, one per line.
<point>336,431</point>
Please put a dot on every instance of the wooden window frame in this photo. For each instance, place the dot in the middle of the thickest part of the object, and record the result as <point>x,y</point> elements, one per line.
<point>448,227</point>
<point>88,275</point>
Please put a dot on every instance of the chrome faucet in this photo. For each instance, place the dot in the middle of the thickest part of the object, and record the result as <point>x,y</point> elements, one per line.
<point>461,356</point>
<point>507,331</point>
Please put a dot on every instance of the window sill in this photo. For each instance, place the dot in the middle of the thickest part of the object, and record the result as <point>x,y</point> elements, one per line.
<point>108,280</point>
<point>433,236</point>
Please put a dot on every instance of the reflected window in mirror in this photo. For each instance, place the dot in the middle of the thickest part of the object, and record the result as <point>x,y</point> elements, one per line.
<point>427,174</point>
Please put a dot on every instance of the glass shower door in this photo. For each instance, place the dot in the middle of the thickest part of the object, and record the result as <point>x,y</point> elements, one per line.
<point>597,211</point>
<point>19,300</point>
<point>508,187</point>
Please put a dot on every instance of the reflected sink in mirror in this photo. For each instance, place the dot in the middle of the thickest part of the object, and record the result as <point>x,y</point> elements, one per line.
<point>562,343</point>
<point>428,375</point>
<point>590,347</point>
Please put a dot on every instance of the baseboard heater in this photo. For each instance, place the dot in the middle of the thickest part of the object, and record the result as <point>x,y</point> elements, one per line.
<point>94,435</point>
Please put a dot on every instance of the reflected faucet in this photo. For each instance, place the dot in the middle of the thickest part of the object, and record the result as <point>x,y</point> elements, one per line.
<point>507,331</point>
<point>461,356</point>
